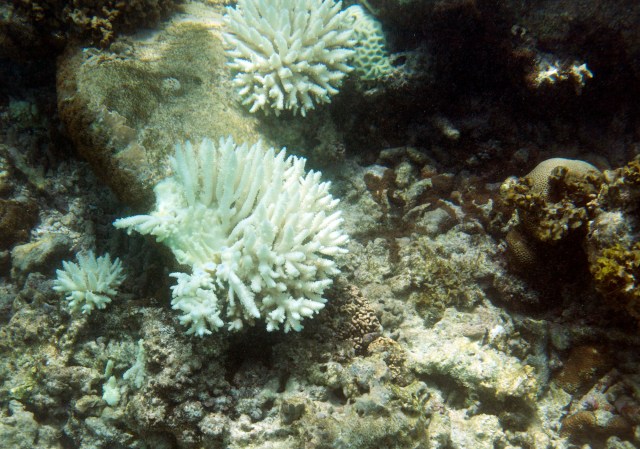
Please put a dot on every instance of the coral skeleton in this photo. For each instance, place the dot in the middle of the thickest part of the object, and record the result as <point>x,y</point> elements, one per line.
<point>90,283</point>
<point>257,231</point>
<point>288,54</point>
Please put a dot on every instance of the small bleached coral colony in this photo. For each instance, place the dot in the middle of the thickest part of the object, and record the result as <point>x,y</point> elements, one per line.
<point>257,231</point>
<point>90,283</point>
<point>288,54</point>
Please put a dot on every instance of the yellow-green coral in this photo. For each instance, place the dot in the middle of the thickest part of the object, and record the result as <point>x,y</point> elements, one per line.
<point>622,189</point>
<point>371,60</point>
<point>616,274</point>
<point>631,172</point>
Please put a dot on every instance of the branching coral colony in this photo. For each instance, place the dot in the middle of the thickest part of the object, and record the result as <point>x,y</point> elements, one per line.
<point>257,231</point>
<point>288,54</point>
<point>91,283</point>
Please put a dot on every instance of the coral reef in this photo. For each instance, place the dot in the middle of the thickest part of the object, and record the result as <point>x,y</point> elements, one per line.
<point>429,338</point>
<point>572,203</point>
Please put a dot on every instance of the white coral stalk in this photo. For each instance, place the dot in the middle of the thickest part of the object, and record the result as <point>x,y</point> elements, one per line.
<point>90,283</point>
<point>258,232</point>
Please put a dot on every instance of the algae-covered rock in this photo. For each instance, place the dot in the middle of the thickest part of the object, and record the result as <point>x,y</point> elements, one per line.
<point>476,432</point>
<point>37,28</point>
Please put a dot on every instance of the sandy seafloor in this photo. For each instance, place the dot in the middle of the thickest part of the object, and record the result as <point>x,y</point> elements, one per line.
<point>482,304</point>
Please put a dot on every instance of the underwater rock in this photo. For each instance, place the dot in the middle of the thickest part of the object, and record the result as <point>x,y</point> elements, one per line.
<point>477,432</point>
<point>20,430</point>
<point>450,270</point>
<point>413,14</point>
<point>593,27</point>
<point>479,368</point>
<point>42,255</point>
<point>16,220</point>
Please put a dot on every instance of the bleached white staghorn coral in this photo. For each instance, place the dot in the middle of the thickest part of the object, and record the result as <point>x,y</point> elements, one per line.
<point>90,283</point>
<point>288,54</point>
<point>257,231</point>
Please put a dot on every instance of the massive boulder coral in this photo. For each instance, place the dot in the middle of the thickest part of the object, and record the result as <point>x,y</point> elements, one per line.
<point>257,232</point>
<point>548,206</point>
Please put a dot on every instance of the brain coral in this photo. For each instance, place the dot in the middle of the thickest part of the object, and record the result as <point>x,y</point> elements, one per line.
<point>257,231</point>
<point>371,60</point>
<point>541,175</point>
<point>288,54</point>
